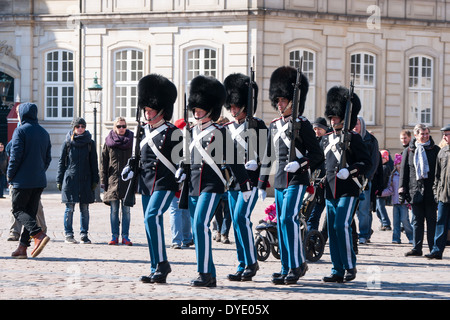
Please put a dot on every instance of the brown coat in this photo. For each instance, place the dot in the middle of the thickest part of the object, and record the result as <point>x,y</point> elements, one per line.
<point>113,162</point>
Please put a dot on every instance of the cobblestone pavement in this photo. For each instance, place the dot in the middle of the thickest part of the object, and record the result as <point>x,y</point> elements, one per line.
<point>100,271</point>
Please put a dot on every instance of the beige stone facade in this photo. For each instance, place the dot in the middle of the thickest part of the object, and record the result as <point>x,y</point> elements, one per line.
<point>399,50</point>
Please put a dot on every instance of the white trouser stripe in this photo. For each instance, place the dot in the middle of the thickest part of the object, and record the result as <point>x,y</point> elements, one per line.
<point>348,247</point>
<point>158,226</point>
<point>208,217</point>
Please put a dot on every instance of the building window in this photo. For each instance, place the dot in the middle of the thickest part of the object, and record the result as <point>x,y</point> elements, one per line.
<point>201,61</point>
<point>363,67</point>
<point>308,70</point>
<point>59,85</point>
<point>128,69</point>
<point>420,95</point>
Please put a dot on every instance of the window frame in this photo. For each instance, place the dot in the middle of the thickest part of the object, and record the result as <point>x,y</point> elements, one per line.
<point>363,89</point>
<point>414,118</point>
<point>61,103</point>
<point>130,86</point>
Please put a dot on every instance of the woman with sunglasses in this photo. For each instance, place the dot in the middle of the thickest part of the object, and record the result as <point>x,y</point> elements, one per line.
<point>77,177</point>
<point>115,154</point>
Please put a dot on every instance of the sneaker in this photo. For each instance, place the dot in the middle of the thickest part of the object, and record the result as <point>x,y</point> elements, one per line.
<point>362,241</point>
<point>70,239</point>
<point>225,240</point>
<point>175,246</point>
<point>85,239</point>
<point>187,244</point>
<point>126,241</point>
<point>114,241</point>
<point>13,237</point>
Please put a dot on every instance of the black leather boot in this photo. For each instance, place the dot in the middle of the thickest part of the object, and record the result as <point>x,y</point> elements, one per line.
<point>333,278</point>
<point>147,279</point>
<point>235,276</point>
<point>296,273</point>
<point>250,272</point>
<point>162,270</point>
<point>350,274</point>
<point>204,280</point>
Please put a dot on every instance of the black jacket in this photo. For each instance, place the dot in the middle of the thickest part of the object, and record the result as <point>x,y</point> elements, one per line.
<point>418,190</point>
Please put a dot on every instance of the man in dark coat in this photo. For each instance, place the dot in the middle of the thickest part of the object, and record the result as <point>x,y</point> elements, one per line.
<point>417,173</point>
<point>77,177</point>
<point>29,159</point>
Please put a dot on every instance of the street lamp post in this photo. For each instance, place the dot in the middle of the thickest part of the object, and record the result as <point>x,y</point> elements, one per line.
<point>4,88</point>
<point>95,92</point>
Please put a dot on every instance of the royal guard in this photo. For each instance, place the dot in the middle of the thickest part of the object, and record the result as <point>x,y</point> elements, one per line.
<point>342,186</point>
<point>291,175</point>
<point>208,178</point>
<point>157,185</point>
<point>246,131</point>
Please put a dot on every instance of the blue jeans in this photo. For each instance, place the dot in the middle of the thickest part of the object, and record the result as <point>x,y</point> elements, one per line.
<point>382,213</point>
<point>115,219</point>
<point>400,216</point>
<point>442,226</point>
<point>365,215</point>
<point>68,218</point>
<point>180,223</point>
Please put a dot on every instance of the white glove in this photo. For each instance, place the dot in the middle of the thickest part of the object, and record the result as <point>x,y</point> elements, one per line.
<point>127,173</point>
<point>251,165</point>
<point>246,195</point>
<point>262,194</point>
<point>180,175</point>
<point>292,166</point>
<point>343,174</point>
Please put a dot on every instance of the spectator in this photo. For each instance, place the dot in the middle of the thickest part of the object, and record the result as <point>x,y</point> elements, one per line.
<point>416,185</point>
<point>441,189</point>
<point>364,212</point>
<point>29,160</point>
<point>405,137</point>
<point>117,150</point>
<point>381,199</point>
<point>77,177</point>
<point>400,214</point>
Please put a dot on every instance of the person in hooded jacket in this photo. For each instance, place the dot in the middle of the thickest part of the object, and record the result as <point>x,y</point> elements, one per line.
<point>29,160</point>
<point>116,151</point>
<point>77,177</point>
<point>417,174</point>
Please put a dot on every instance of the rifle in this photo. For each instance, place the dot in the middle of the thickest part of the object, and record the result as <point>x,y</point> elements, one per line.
<point>346,135</point>
<point>250,121</point>
<point>295,125</point>
<point>185,162</point>
<point>134,163</point>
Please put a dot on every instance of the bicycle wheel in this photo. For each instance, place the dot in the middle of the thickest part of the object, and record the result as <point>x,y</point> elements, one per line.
<point>314,245</point>
<point>262,248</point>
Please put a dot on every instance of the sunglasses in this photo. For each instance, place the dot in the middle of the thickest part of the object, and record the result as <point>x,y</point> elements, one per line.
<point>121,126</point>
<point>80,126</point>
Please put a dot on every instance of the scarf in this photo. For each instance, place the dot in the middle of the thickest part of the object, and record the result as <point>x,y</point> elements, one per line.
<point>113,140</point>
<point>421,160</point>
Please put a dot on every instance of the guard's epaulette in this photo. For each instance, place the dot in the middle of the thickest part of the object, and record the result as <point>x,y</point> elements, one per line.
<point>303,118</point>
<point>276,119</point>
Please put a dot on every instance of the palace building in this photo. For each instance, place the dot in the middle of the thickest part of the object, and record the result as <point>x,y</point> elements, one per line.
<point>397,50</point>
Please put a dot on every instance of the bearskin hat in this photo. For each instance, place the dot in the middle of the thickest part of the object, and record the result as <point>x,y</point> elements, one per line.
<point>207,93</point>
<point>282,84</point>
<point>236,86</point>
<point>158,93</point>
<point>337,103</point>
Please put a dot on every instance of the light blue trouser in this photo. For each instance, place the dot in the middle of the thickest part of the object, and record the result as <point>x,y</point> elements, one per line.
<point>288,203</point>
<point>202,210</point>
<point>240,213</point>
<point>339,220</point>
<point>154,206</point>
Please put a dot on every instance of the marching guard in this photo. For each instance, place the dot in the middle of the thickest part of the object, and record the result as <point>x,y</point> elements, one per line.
<point>207,181</point>
<point>342,187</point>
<point>157,185</point>
<point>245,131</point>
<point>291,177</point>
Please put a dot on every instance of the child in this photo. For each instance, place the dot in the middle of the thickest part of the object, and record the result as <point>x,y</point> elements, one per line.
<point>400,210</point>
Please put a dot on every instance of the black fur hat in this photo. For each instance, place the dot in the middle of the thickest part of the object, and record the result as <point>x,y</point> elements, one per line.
<point>236,86</point>
<point>337,102</point>
<point>282,83</point>
<point>158,93</point>
<point>207,93</point>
